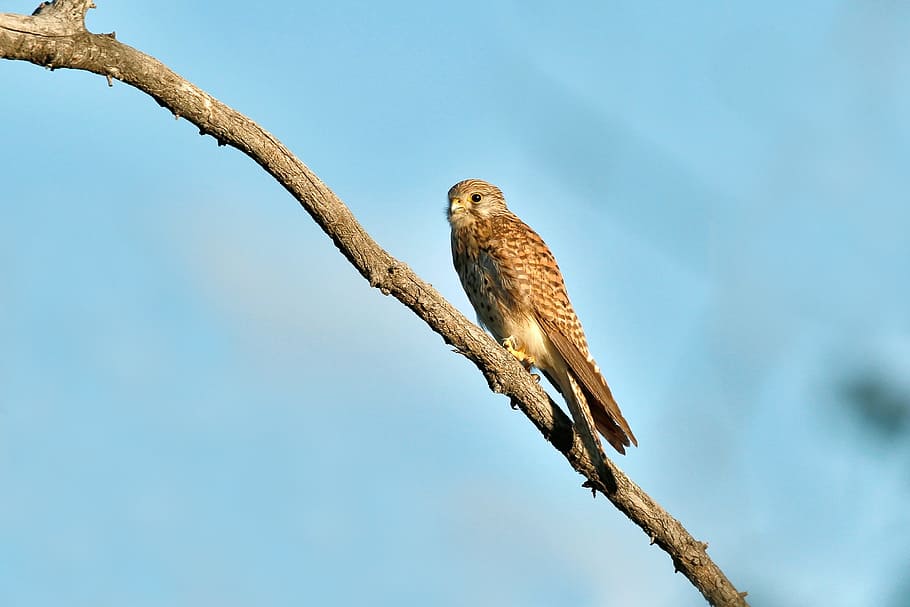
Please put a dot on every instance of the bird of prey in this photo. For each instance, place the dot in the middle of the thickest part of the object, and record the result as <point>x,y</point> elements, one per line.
<point>517,290</point>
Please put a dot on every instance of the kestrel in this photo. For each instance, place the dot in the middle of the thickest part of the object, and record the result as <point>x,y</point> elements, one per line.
<point>517,290</point>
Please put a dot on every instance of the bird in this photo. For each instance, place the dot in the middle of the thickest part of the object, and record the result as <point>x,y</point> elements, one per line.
<point>517,290</point>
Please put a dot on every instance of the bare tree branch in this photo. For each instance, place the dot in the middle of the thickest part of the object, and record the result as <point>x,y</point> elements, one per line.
<point>55,37</point>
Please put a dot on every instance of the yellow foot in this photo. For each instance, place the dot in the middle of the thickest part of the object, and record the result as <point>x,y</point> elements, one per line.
<point>511,344</point>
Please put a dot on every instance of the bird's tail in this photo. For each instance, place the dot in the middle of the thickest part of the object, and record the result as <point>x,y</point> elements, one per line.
<point>598,416</point>
<point>585,423</point>
<point>616,432</point>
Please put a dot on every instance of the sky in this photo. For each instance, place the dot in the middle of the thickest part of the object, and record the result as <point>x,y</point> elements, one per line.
<point>201,402</point>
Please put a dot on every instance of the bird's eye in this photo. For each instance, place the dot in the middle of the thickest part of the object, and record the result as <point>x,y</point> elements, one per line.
<point>475,197</point>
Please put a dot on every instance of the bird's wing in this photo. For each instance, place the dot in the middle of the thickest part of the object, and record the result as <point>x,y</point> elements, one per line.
<point>530,274</point>
<point>553,312</point>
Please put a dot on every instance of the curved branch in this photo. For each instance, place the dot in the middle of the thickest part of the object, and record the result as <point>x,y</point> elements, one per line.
<point>55,37</point>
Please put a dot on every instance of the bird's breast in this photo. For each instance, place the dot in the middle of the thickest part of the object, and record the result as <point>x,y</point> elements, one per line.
<point>494,293</point>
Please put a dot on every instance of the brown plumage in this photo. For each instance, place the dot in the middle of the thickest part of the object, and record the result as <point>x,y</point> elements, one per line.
<point>517,290</point>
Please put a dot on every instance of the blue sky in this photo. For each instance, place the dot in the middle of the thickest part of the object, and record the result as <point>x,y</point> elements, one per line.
<point>201,402</point>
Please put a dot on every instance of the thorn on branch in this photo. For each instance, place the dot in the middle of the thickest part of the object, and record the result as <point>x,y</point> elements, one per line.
<point>704,545</point>
<point>110,81</point>
<point>743,595</point>
<point>391,272</point>
<point>377,282</point>
<point>458,350</point>
<point>653,538</point>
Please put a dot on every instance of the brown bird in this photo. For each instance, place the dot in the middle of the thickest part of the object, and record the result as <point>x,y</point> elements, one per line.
<point>517,290</point>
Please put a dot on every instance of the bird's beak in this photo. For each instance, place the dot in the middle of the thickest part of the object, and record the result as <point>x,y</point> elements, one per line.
<point>455,206</point>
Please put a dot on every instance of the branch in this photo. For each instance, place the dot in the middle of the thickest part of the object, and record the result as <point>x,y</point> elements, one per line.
<point>55,37</point>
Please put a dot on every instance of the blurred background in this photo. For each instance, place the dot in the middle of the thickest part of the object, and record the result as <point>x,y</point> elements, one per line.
<point>201,402</point>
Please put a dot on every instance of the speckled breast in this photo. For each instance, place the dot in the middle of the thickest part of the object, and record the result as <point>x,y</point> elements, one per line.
<point>481,284</point>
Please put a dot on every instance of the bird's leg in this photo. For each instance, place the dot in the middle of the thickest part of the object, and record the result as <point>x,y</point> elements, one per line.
<point>526,360</point>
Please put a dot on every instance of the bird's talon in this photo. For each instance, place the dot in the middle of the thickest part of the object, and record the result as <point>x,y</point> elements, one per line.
<point>509,343</point>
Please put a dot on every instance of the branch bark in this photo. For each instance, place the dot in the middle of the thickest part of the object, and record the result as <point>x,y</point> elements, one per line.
<point>55,37</point>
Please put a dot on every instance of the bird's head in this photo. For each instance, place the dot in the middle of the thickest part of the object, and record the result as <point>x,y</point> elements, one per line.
<point>473,199</point>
